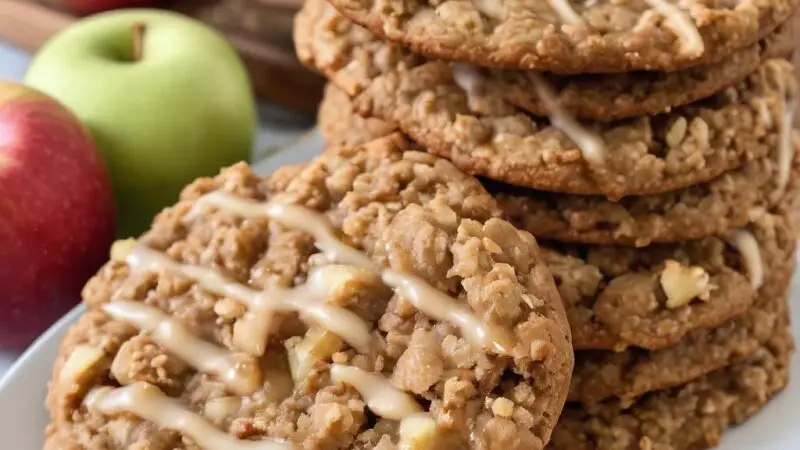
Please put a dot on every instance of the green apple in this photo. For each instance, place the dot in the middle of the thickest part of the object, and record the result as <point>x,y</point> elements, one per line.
<point>166,98</point>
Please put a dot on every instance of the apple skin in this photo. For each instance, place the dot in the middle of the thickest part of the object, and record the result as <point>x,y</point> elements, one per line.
<point>85,7</point>
<point>182,111</point>
<point>56,212</point>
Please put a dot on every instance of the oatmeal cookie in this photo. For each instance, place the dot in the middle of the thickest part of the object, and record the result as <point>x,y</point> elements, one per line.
<point>726,202</point>
<point>374,300</point>
<point>618,297</point>
<point>446,110</point>
<point>346,53</point>
<point>352,57</point>
<point>571,37</point>
<point>628,374</point>
<point>340,126</point>
<point>609,97</point>
<point>693,416</point>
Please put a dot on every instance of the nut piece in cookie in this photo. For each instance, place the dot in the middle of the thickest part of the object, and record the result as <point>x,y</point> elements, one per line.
<point>682,284</point>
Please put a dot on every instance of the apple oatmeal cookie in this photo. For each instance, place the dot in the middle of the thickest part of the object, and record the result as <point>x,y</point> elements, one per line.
<point>568,36</point>
<point>633,372</point>
<point>690,417</point>
<point>620,297</point>
<point>351,57</point>
<point>371,299</point>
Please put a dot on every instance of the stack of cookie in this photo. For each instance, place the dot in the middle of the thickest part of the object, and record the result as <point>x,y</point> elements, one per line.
<point>647,144</point>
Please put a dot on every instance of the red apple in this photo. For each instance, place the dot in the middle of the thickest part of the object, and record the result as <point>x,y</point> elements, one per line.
<point>56,212</point>
<point>85,7</point>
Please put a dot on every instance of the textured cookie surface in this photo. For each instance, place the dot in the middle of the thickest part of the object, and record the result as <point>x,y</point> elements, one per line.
<point>340,126</point>
<point>448,112</point>
<point>633,372</point>
<point>351,57</point>
<point>571,37</point>
<point>352,241</point>
<point>617,297</point>
<point>726,202</point>
<point>630,94</point>
<point>692,416</point>
<point>346,53</point>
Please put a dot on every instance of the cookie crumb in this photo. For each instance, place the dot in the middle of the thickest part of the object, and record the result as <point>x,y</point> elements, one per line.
<point>503,407</point>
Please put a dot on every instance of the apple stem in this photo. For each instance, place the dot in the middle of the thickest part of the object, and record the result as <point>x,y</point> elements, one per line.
<point>138,40</point>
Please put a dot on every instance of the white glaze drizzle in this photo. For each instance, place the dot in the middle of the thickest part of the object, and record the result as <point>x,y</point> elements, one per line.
<point>785,145</point>
<point>205,357</point>
<point>380,396</point>
<point>307,299</point>
<point>591,144</point>
<point>444,308</point>
<point>565,12</point>
<point>148,402</point>
<point>469,79</point>
<point>747,246</point>
<point>691,42</point>
<point>295,216</point>
<point>423,296</point>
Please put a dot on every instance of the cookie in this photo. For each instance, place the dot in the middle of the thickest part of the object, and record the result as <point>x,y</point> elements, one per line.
<point>726,202</point>
<point>291,313</point>
<point>693,416</point>
<point>486,136</point>
<point>631,373</point>
<point>340,126</point>
<point>620,297</point>
<point>571,37</point>
<point>610,97</point>
<point>351,57</point>
<point>346,53</point>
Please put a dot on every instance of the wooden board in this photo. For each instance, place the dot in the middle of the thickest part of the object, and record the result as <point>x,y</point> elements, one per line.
<point>259,29</point>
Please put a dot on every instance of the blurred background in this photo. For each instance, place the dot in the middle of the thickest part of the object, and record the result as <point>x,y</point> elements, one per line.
<point>287,93</point>
<point>260,30</point>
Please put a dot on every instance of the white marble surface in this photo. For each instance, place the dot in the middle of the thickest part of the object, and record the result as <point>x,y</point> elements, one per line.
<point>277,128</point>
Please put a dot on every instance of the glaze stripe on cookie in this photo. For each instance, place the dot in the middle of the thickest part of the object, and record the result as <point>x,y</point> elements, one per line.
<point>747,245</point>
<point>691,42</point>
<point>240,374</point>
<point>786,148</point>
<point>252,332</point>
<point>591,144</point>
<point>566,13</point>
<point>382,398</point>
<point>147,401</point>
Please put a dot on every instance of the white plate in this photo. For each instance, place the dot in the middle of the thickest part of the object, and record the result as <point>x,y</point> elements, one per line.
<point>23,389</point>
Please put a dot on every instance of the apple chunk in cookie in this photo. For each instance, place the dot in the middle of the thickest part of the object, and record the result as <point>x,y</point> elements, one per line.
<point>374,288</point>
